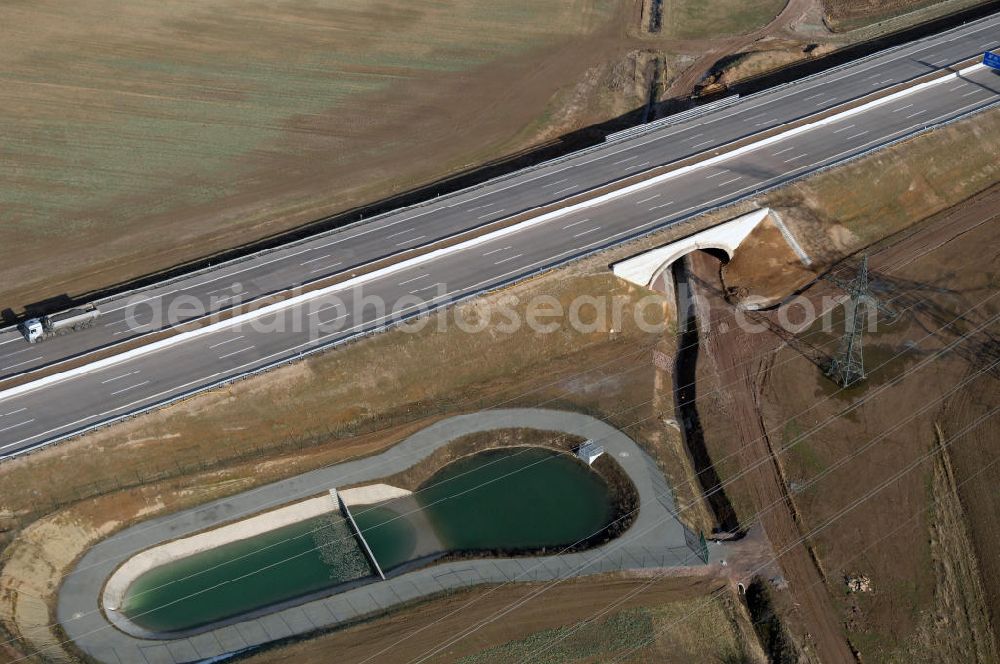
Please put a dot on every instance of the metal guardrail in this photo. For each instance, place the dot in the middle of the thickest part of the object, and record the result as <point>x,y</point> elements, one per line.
<point>522,171</point>
<point>506,283</point>
<point>671,120</point>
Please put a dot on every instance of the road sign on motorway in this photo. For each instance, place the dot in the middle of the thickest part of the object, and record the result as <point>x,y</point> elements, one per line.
<point>991,60</point>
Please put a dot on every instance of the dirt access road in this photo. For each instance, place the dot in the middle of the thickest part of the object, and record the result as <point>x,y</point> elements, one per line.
<point>728,355</point>
<point>685,84</point>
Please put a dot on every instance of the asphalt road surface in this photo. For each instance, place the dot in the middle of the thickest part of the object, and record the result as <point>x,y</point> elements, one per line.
<point>57,410</point>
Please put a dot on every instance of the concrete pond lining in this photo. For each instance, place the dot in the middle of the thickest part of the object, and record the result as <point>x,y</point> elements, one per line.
<point>655,539</point>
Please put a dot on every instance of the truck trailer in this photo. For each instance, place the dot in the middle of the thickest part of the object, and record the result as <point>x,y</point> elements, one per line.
<point>38,329</point>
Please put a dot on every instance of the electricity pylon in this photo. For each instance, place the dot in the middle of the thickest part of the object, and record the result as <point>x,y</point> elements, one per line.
<point>848,367</point>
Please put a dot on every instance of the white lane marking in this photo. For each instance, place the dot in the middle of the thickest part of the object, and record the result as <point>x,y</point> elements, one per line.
<point>822,103</point>
<point>859,134</point>
<point>496,251</point>
<point>481,207</point>
<point>469,288</point>
<point>14,412</point>
<point>408,230</point>
<point>700,133</point>
<point>650,198</point>
<point>117,322</point>
<point>124,375</point>
<point>913,115</point>
<point>812,96</point>
<point>490,214</point>
<point>798,156</point>
<point>227,341</point>
<point>311,260</point>
<point>17,352</point>
<point>775,154</point>
<point>510,258</point>
<point>575,223</point>
<point>552,184</point>
<point>643,164</point>
<point>969,94</point>
<point>752,117</point>
<point>661,205</point>
<point>837,131</point>
<point>880,63</point>
<point>622,161</point>
<point>327,305</point>
<point>212,292</point>
<point>421,290</point>
<point>957,87</point>
<point>236,352</point>
<point>589,230</point>
<point>563,191</point>
<point>723,184</point>
<point>11,366</point>
<point>19,424</point>
<point>327,322</point>
<point>765,122</point>
<point>10,341</point>
<point>412,239</point>
<point>698,145</point>
<point>130,387</point>
<point>902,108</point>
<point>326,267</point>
<point>201,379</point>
<point>409,281</point>
<point>35,436</point>
<point>717,174</point>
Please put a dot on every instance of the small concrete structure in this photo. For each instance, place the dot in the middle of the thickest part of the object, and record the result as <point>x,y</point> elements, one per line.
<point>589,452</point>
<point>651,269</point>
<point>371,494</point>
<point>346,511</point>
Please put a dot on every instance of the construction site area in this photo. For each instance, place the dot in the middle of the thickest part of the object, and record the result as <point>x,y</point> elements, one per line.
<point>765,433</point>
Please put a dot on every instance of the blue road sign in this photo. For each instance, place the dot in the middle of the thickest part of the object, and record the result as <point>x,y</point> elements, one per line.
<point>991,60</point>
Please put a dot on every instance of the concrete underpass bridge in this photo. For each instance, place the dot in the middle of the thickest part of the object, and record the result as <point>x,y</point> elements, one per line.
<point>652,269</point>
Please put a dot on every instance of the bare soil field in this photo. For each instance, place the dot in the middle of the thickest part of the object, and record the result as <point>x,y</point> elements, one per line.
<point>143,135</point>
<point>146,136</point>
<point>694,19</point>
<point>846,15</point>
<point>923,538</point>
<point>539,633</point>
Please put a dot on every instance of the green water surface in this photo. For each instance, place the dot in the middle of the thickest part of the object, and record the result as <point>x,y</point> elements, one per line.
<point>389,534</point>
<point>512,499</point>
<point>245,575</point>
<point>515,498</point>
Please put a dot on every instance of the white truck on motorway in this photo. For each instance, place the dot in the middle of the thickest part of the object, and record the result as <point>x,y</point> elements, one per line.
<point>37,329</point>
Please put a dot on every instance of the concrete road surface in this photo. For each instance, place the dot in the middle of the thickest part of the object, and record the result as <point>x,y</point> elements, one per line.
<point>69,406</point>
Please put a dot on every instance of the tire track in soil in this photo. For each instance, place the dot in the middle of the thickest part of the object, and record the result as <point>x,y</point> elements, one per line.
<point>727,353</point>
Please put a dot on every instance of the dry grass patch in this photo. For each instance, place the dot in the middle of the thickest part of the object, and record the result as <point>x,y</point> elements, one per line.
<point>697,19</point>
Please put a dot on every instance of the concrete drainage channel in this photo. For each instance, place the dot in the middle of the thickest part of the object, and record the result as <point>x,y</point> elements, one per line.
<point>655,539</point>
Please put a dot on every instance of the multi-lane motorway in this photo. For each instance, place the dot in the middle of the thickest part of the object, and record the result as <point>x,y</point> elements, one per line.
<point>55,410</point>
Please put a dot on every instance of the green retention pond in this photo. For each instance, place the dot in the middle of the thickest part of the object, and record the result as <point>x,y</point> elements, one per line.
<point>247,574</point>
<point>514,499</point>
<point>510,500</point>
